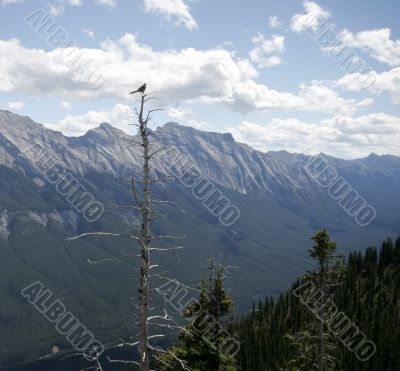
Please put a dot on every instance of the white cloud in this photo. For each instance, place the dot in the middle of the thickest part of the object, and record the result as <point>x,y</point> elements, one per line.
<point>65,104</point>
<point>274,22</point>
<point>120,116</point>
<point>15,105</point>
<point>266,52</point>
<point>312,17</point>
<point>340,136</point>
<point>179,113</point>
<point>57,7</point>
<point>313,98</point>
<point>207,76</point>
<point>173,10</point>
<point>200,125</point>
<point>377,43</point>
<point>388,81</point>
<point>5,2</point>
<point>184,116</point>
<point>365,102</point>
<point>109,3</point>
<point>271,61</point>
<point>88,34</point>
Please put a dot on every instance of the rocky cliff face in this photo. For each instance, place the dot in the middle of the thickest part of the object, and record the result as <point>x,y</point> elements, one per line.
<point>216,156</point>
<point>283,199</point>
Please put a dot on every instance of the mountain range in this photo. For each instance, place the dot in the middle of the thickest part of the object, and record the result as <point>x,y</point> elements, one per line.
<point>280,199</point>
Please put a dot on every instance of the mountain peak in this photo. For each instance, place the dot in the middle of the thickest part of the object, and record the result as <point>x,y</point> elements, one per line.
<point>173,127</point>
<point>13,119</point>
<point>106,132</point>
<point>171,124</point>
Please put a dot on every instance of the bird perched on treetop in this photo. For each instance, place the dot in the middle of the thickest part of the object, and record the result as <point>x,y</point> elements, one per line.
<point>142,89</point>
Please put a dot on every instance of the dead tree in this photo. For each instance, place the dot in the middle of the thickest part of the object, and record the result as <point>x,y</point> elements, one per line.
<point>145,243</point>
<point>145,204</point>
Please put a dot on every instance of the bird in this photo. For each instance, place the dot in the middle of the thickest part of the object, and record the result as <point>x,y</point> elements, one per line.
<point>142,89</point>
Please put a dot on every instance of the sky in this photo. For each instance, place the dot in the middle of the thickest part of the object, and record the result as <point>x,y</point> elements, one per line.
<point>295,75</point>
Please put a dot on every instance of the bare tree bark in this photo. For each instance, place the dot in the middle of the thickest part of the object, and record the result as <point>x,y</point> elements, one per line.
<point>322,343</point>
<point>146,206</point>
<point>145,241</point>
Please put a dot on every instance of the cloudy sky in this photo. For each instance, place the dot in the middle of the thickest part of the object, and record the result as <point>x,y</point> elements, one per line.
<point>290,74</point>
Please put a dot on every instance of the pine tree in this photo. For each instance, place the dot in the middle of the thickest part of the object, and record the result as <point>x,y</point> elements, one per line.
<point>286,336</point>
<point>314,345</point>
<point>202,339</point>
<point>323,253</point>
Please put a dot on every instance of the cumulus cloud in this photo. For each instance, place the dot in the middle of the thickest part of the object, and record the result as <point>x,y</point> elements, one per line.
<point>15,105</point>
<point>5,2</point>
<point>340,136</point>
<point>274,22</point>
<point>385,82</point>
<point>174,10</point>
<point>266,52</point>
<point>179,113</point>
<point>57,7</point>
<point>65,104</point>
<point>207,76</point>
<point>184,115</point>
<point>109,3</point>
<point>365,102</point>
<point>312,17</point>
<point>313,98</point>
<point>119,116</point>
<point>377,43</point>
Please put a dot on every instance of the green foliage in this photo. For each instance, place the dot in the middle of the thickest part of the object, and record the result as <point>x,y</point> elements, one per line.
<point>323,249</point>
<point>305,349</point>
<point>280,335</point>
<point>201,340</point>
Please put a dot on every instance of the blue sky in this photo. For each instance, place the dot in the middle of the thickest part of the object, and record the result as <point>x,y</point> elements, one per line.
<point>263,70</point>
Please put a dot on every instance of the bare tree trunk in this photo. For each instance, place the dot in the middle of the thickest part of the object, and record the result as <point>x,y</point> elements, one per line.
<point>147,207</point>
<point>145,241</point>
<point>322,342</point>
<point>322,363</point>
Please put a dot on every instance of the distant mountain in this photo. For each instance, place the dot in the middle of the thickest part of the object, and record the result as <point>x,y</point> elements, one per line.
<point>283,198</point>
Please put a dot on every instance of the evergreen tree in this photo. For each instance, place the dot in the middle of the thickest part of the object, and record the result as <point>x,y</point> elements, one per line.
<point>202,339</point>
<point>284,336</point>
<point>315,342</point>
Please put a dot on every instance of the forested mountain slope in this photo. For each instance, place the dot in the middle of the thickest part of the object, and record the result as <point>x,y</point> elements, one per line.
<point>369,295</point>
<point>280,204</point>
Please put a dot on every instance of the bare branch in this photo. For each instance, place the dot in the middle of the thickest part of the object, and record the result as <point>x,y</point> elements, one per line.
<point>167,249</point>
<point>121,361</point>
<point>181,362</point>
<point>102,234</point>
<point>157,151</point>
<point>123,207</point>
<point>163,179</point>
<point>170,237</point>
<point>111,259</point>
